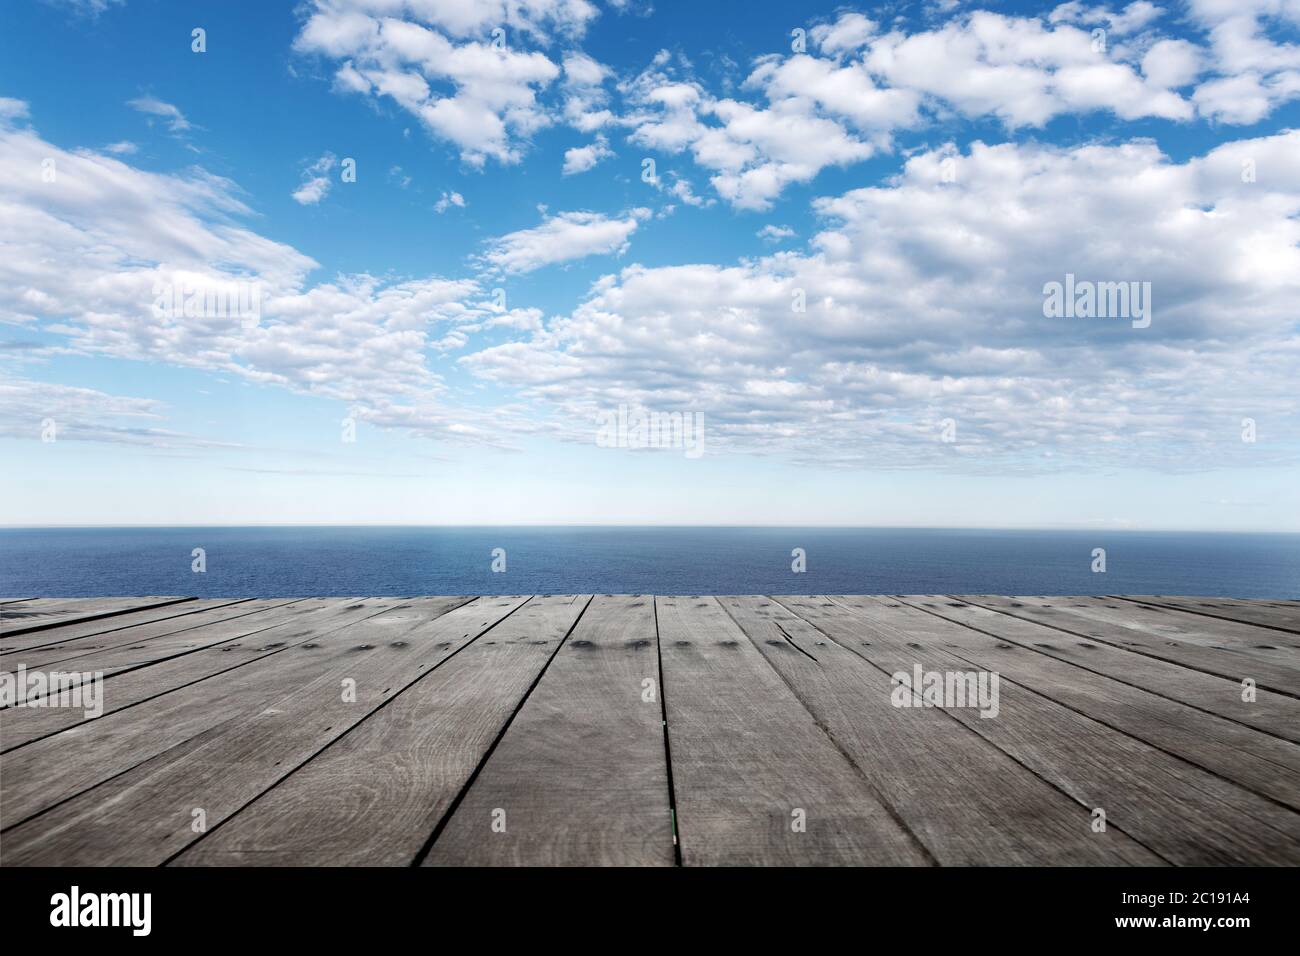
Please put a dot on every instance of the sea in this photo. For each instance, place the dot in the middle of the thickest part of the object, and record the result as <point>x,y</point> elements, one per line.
<point>356,561</point>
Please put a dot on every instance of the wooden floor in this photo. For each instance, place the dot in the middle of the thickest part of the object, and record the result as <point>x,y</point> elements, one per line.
<point>657,731</point>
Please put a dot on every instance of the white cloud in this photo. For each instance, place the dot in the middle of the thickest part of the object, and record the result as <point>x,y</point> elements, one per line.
<point>12,109</point>
<point>774,233</point>
<point>447,200</point>
<point>924,302</point>
<point>86,414</point>
<point>122,148</point>
<point>176,121</point>
<point>88,258</point>
<point>562,238</point>
<point>1172,63</point>
<point>316,181</point>
<point>491,108</point>
<point>579,159</point>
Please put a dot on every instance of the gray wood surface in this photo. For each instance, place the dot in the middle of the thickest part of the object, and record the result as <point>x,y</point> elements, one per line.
<point>965,800</point>
<point>1281,673</point>
<point>759,706</point>
<point>375,795</point>
<point>100,749</point>
<point>1273,615</point>
<point>301,623</point>
<point>758,782</point>
<point>581,775</point>
<point>145,816</point>
<point>44,613</point>
<point>1140,788</point>
<point>143,642</point>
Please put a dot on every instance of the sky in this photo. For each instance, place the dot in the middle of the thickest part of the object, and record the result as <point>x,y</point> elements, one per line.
<point>405,261</point>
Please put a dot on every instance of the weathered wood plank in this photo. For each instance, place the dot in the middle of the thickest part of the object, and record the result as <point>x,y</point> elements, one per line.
<point>146,815</point>
<point>581,776</point>
<point>1232,664</point>
<point>54,613</point>
<point>967,802</point>
<point>374,796</point>
<point>141,642</point>
<point>1159,800</point>
<point>300,623</point>
<point>1249,639</point>
<point>56,768</point>
<point>1272,713</point>
<point>1257,761</point>
<point>1275,616</point>
<point>757,782</point>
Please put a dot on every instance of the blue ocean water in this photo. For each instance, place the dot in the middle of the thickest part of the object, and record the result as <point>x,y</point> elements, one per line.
<point>348,561</point>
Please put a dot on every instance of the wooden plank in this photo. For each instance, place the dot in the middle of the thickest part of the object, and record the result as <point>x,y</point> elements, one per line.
<point>966,801</point>
<point>1272,713</point>
<point>27,619</point>
<point>1250,639</point>
<point>1185,814</point>
<point>757,781</point>
<point>274,631</point>
<point>1276,616</point>
<point>142,642</point>
<point>375,795</point>
<point>1234,665</point>
<point>1259,762</point>
<point>54,769</point>
<point>581,776</point>
<point>145,816</point>
<point>95,625</point>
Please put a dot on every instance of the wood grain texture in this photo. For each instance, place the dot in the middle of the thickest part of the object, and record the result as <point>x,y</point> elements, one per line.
<point>1279,616</point>
<point>97,750</point>
<point>300,623</point>
<point>966,801</point>
<point>466,706</point>
<point>143,642</point>
<point>44,614</point>
<point>1139,787</point>
<point>375,795</point>
<point>1280,674</point>
<point>1275,714</point>
<point>1265,644</point>
<point>758,782</point>
<point>581,775</point>
<point>146,815</point>
<point>1257,761</point>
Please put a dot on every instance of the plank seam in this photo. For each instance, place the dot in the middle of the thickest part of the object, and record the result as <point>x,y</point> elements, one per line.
<point>1120,680</point>
<point>195,627</point>
<point>1145,652</point>
<point>969,729</point>
<point>1124,733</point>
<point>668,750</point>
<point>402,690</point>
<point>48,625</point>
<point>1189,610</point>
<point>456,801</point>
<point>124,627</point>
<point>881,798</point>
<point>253,660</point>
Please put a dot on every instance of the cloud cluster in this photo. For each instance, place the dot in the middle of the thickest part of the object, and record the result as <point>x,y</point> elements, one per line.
<point>924,302</point>
<point>450,64</point>
<point>562,238</point>
<point>122,262</point>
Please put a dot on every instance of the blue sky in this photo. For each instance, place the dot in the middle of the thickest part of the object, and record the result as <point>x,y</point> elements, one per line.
<point>913,173</point>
